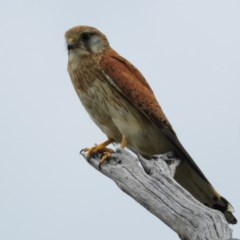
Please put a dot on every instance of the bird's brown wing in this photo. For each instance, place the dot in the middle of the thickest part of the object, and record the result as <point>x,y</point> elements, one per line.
<point>131,84</point>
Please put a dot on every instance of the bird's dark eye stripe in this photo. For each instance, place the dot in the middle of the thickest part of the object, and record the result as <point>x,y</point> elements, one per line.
<point>86,36</point>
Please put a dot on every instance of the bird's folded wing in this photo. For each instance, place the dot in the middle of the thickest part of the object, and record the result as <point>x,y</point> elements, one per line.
<point>131,84</point>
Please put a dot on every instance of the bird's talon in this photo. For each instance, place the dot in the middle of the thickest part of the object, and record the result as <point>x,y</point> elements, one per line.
<point>97,149</point>
<point>104,158</point>
<point>83,150</point>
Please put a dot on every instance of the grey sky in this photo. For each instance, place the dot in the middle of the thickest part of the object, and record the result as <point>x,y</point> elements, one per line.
<point>190,54</point>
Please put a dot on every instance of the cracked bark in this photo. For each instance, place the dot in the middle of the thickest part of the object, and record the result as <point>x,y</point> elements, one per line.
<point>151,183</point>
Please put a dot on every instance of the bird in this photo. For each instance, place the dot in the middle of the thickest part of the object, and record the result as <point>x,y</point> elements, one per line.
<point>122,104</point>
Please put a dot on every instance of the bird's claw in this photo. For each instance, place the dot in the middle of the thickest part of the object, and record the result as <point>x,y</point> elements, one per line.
<point>105,156</point>
<point>99,149</point>
<point>82,151</point>
<point>104,152</point>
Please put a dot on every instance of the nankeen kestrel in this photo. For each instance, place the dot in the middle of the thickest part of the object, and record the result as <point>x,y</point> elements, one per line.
<point>121,103</point>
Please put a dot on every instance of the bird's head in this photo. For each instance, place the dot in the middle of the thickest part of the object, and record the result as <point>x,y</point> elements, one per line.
<point>85,40</point>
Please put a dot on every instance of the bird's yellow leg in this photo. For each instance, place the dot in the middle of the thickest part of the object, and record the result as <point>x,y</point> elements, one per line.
<point>104,158</point>
<point>123,143</point>
<point>100,148</point>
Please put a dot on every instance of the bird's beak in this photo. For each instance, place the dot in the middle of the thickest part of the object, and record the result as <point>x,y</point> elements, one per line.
<point>70,47</point>
<point>70,44</point>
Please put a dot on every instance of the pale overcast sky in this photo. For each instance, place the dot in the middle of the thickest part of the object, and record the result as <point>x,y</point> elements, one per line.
<point>188,51</point>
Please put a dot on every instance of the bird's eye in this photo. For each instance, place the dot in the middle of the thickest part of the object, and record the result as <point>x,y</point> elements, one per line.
<point>86,36</point>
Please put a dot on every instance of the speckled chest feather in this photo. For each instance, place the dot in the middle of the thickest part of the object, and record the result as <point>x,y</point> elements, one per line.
<point>96,94</point>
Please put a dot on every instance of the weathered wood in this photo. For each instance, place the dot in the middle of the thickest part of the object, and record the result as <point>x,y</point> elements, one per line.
<point>150,183</point>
